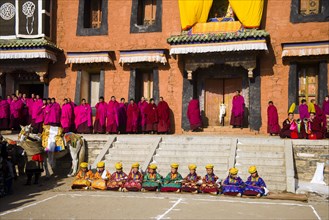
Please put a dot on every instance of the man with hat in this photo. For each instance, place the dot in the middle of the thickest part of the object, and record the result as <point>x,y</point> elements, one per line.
<point>173,181</point>
<point>135,179</point>
<point>255,185</point>
<point>233,184</point>
<point>84,177</point>
<point>191,181</point>
<point>118,179</point>
<point>152,180</point>
<point>210,182</point>
<point>100,177</point>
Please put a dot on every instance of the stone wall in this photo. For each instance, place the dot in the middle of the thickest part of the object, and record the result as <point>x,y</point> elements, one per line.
<point>306,156</point>
<point>94,148</point>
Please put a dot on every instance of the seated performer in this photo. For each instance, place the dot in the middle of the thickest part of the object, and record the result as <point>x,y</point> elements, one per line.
<point>83,178</point>
<point>210,182</point>
<point>152,180</point>
<point>292,128</point>
<point>191,181</point>
<point>118,179</point>
<point>255,185</point>
<point>233,184</point>
<point>314,126</point>
<point>173,181</point>
<point>100,177</point>
<point>135,179</point>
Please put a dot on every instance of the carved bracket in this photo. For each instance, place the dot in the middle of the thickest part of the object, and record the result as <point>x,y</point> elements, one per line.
<point>42,76</point>
<point>189,74</point>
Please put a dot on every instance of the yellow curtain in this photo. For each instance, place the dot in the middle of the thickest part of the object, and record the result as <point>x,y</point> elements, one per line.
<point>193,11</point>
<point>249,12</point>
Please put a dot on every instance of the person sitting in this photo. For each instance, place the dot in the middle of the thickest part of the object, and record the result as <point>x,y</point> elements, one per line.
<point>255,185</point>
<point>233,184</point>
<point>117,179</point>
<point>173,181</point>
<point>135,179</point>
<point>100,177</point>
<point>314,125</point>
<point>292,128</point>
<point>84,177</point>
<point>210,182</point>
<point>152,180</point>
<point>192,181</point>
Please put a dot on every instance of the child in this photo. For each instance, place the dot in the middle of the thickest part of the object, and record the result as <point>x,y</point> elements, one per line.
<point>210,182</point>
<point>83,178</point>
<point>233,184</point>
<point>100,177</point>
<point>152,180</point>
<point>135,178</point>
<point>117,179</point>
<point>255,185</point>
<point>191,181</point>
<point>173,181</point>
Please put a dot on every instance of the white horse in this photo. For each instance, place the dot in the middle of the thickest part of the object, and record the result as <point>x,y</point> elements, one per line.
<point>74,144</point>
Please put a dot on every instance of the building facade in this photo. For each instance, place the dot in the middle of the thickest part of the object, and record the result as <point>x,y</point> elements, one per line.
<point>134,48</point>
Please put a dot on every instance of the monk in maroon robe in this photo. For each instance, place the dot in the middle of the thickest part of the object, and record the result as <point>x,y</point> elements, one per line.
<point>237,110</point>
<point>122,115</point>
<point>53,114</point>
<point>273,127</point>
<point>292,128</point>
<point>39,115</point>
<point>142,104</point>
<point>193,115</point>
<point>30,103</point>
<point>151,117</point>
<point>315,127</point>
<point>73,105</point>
<point>4,114</point>
<point>25,111</point>
<point>37,104</point>
<point>100,120</point>
<point>16,108</point>
<point>163,112</point>
<point>132,117</point>
<point>303,110</point>
<point>66,116</point>
<point>83,118</point>
<point>325,112</point>
<point>112,116</point>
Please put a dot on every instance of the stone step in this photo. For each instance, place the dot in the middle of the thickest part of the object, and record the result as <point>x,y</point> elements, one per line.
<point>196,140</point>
<point>115,151</point>
<point>136,139</point>
<point>109,165</point>
<point>190,159</point>
<point>267,178</point>
<point>260,161</point>
<point>219,169</point>
<point>132,145</point>
<point>276,186</point>
<point>270,155</point>
<point>184,153</point>
<point>118,157</point>
<point>275,141</point>
<point>191,147</point>
<point>275,170</point>
<point>260,148</point>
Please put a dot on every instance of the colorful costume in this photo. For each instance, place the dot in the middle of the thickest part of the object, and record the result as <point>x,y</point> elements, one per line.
<point>100,177</point>
<point>83,178</point>
<point>135,179</point>
<point>233,186</point>
<point>118,179</point>
<point>152,181</point>
<point>254,185</point>
<point>173,181</point>
<point>190,182</point>
<point>209,182</point>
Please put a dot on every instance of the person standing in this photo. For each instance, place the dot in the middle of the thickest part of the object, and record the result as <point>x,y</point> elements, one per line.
<point>16,107</point>
<point>37,104</point>
<point>4,114</point>
<point>122,115</point>
<point>25,111</point>
<point>142,105</point>
<point>100,120</point>
<point>30,106</point>
<point>163,112</point>
<point>39,115</point>
<point>73,105</point>
<point>273,126</point>
<point>53,114</point>
<point>194,116</point>
<point>132,117</point>
<point>325,112</point>
<point>303,110</point>
<point>66,116</point>
<point>237,110</point>
<point>112,116</point>
<point>83,118</point>
<point>151,117</point>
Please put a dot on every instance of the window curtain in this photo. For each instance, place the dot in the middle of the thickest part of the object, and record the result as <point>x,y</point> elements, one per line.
<point>249,12</point>
<point>193,11</point>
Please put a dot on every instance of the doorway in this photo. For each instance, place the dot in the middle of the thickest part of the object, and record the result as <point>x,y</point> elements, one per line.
<point>31,88</point>
<point>144,84</point>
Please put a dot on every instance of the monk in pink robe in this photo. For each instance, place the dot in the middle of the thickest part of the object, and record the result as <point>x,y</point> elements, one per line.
<point>30,103</point>
<point>237,110</point>
<point>142,105</point>
<point>112,116</point>
<point>193,115</point>
<point>132,117</point>
<point>73,105</point>
<point>4,114</point>
<point>53,114</point>
<point>273,127</point>
<point>122,115</point>
<point>163,112</point>
<point>83,118</point>
<point>66,116</point>
<point>100,120</point>
<point>151,117</point>
<point>325,112</point>
<point>16,108</point>
<point>9,99</point>
<point>25,111</point>
<point>303,110</point>
<point>39,115</point>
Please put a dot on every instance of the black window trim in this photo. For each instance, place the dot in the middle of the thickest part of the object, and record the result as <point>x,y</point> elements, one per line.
<point>296,17</point>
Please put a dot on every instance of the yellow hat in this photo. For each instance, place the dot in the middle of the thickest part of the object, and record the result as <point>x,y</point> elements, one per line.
<point>234,171</point>
<point>192,167</point>
<point>83,165</point>
<point>135,165</point>
<point>292,108</point>
<point>153,166</point>
<point>209,166</point>
<point>252,169</point>
<point>118,166</point>
<point>174,165</point>
<point>101,164</point>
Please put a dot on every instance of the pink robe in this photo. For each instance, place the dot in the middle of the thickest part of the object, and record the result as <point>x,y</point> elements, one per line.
<point>303,111</point>
<point>142,118</point>
<point>237,111</point>
<point>4,114</point>
<point>39,114</point>
<point>16,108</point>
<point>132,118</point>
<point>100,120</point>
<point>36,106</point>
<point>53,114</point>
<point>193,114</point>
<point>83,118</point>
<point>30,105</point>
<point>112,117</point>
<point>273,126</point>
<point>325,112</point>
<point>163,111</point>
<point>66,117</point>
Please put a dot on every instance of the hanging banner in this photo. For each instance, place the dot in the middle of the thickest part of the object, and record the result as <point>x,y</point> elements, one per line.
<point>7,17</point>
<point>28,17</point>
<point>249,12</point>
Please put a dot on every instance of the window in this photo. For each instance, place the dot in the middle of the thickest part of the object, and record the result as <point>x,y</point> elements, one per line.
<point>144,83</point>
<point>146,12</point>
<point>92,14</point>
<point>308,82</point>
<point>219,9</point>
<point>309,11</point>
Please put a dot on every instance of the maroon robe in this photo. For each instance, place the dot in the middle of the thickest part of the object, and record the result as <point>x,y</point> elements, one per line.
<point>73,105</point>
<point>288,131</point>
<point>83,119</point>
<point>193,114</point>
<point>163,111</point>
<point>122,115</point>
<point>273,126</point>
<point>112,117</point>
<point>151,117</point>
<point>16,108</point>
<point>30,106</point>
<point>25,113</point>
<point>325,112</point>
<point>66,117</point>
<point>303,111</point>
<point>142,118</point>
<point>132,118</point>
<point>316,129</point>
<point>53,114</point>
<point>237,111</point>
<point>4,114</point>
<point>100,120</point>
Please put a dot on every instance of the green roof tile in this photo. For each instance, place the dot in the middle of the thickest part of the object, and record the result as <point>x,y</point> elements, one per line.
<point>27,43</point>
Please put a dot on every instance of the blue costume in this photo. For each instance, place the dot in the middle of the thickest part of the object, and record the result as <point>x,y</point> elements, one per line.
<point>255,185</point>
<point>233,185</point>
